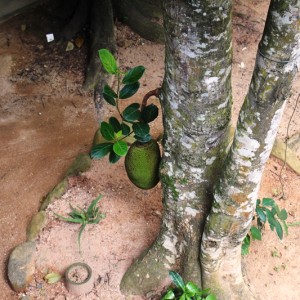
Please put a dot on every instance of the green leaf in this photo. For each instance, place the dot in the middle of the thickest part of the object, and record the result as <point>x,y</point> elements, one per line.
<point>120,148</point>
<point>285,227</point>
<point>261,214</point>
<point>141,129</point>
<point>150,113</point>
<point>279,229</point>
<point>93,205</point>
<point>211,297</point>
<point>143,139</point>
<point>184,297</point>
<point>129,90</point>
<point>255,233</point>
<point>113,157</point>
<point>71,220</point>
<point>109,91</point>
<point>99,217</point>
<point>206,291</point>
<point>75,214</point>
<point>169,295</point>
<point>282,215</point>
<point>133,75</point>
<point>75,211</point>
<point>99,151</point>
<point>268,202</point>
<point>125,129</point>
<point>107,131</point>
<point>115,124</point>
<point>53,277</point>
<point>192,289</point>
<point>177,279</point>
<point>246,245</point>
<point>131,113</point>
<point>108,61</point>
<point>275,210</point>
<point>118,134</point>
<point>109,95</point>
<point>271,219</point>
<point>109,100</point>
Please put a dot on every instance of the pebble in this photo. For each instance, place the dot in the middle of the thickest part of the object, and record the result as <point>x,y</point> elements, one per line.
<point>21,266</point>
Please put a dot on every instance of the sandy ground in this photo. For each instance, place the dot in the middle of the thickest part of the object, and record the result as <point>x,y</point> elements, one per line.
<point>46,119</point>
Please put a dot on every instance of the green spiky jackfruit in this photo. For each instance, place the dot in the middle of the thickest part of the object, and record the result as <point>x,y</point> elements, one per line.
<point>142,164</point>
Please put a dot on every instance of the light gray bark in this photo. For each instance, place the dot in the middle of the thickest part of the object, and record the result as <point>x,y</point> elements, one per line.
<point>196,102</point>
<point>236,192</point>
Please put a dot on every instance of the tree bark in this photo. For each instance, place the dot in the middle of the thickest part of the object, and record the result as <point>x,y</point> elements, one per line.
<point>236,192</point>
<point>196,101</point>
<point>138,14</point>
<point>79,17</point>
<point>102,36</point>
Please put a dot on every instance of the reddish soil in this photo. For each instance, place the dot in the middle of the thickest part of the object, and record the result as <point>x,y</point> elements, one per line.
<point>47,119</point>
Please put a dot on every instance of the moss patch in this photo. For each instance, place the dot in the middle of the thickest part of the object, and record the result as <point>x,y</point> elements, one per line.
<point>81,164</point>
<point>57,192</point>
<point>37,223</point>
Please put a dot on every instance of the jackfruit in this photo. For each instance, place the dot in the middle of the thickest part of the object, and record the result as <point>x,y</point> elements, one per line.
<point>142,164</point>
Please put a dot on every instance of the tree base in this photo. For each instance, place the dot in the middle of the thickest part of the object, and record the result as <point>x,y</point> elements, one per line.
<point>148,275</point>
<point>225,278</point>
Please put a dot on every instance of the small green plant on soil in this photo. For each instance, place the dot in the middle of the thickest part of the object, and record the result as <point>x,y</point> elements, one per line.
<point>53,277</point>
<point>133,120</point>
<point>90,216</point>
<point>266,211</point>
<point>186,291</point>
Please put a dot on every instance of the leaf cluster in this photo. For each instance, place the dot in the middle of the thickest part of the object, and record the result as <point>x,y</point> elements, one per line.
<point>80,216</point>
<point>266,211</point>
<point>186,291</point>
<point>135,118</point>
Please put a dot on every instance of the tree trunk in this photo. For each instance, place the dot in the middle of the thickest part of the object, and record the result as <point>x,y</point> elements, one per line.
<point>196,102</point>
<point>102,36</point>
<point>139,15</point>
<point>236,192</point>
<point>79,15</point>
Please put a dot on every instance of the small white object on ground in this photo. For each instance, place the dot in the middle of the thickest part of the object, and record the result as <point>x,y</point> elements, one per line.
<point>50,37</point>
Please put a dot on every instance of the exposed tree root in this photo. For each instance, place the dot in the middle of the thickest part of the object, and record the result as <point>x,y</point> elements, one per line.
<point>176,249</point>
<point>225,279</point>
<point>150,271</point>
<point>138,17</point>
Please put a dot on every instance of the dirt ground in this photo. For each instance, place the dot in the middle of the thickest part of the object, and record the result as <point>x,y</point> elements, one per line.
<point>46,119</point>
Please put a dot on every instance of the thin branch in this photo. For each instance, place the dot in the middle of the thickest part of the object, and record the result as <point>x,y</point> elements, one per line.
<point>155,93</point>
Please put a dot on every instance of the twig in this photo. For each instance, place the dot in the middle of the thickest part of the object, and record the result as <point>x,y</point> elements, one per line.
<point>285,152</point>
<point>42,100</point>
<point>155,93</point>
<point>293,224</point>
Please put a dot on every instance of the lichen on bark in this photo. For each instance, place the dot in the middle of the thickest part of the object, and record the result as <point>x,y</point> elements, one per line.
<point>235,193</point>
<point>196,103</point>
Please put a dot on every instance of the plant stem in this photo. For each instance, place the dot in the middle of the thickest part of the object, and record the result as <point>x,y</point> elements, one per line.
<point>293,224</point>
<point>125,136</point>
<point>155,93</point>
<point>118,90</point>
